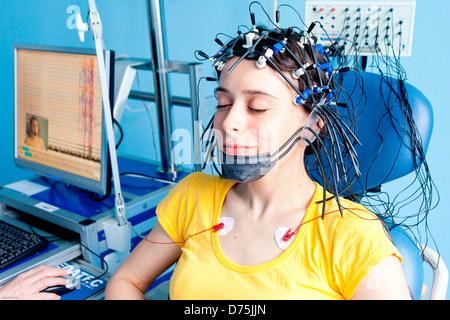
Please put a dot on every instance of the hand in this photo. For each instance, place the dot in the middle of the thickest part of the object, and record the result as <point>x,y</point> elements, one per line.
<point>28,285</point>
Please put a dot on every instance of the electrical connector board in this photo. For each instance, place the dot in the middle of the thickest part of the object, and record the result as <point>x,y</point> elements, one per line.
<point>363,28</point>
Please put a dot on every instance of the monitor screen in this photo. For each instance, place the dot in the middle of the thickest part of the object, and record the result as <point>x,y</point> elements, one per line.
<point>59,127</point>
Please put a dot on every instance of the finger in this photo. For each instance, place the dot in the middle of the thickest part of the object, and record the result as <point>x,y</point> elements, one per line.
<point>59,272</point>
<point>47,272</point>
<point>32,272</point>
<point>44,271</point>
<point>55,271</point>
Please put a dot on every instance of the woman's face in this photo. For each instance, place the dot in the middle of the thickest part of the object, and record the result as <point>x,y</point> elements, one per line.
<point>255,112</point>
<point>34,126</point>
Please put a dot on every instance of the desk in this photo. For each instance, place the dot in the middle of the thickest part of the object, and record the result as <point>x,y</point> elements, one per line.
<point>74,211</point>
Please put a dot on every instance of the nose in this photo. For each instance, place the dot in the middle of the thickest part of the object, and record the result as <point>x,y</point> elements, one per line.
<point>231,120</point>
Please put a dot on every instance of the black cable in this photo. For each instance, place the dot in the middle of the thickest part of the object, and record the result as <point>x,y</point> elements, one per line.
<point>121,132</point>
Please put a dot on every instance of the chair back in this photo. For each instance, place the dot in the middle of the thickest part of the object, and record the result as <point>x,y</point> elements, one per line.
<point>412,264</point>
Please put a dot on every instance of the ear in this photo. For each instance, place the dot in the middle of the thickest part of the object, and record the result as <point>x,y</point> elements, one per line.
<point>320,124</point>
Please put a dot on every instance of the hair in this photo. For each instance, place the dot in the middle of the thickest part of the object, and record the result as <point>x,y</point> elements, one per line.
<point>33,118</point>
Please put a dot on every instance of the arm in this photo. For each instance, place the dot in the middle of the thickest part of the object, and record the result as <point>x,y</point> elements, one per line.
<point>145,263</point>
<point>385,281</point>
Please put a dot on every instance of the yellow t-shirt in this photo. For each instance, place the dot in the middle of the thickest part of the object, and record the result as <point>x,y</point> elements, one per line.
<point>327,259</point>
<point>35,142</point>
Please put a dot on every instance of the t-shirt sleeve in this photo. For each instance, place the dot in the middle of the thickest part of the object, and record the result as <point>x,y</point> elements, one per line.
<point>360,243</point>
<point>172,211</point>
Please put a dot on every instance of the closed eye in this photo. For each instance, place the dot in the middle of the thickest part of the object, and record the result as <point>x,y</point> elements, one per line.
<point>220,106</point>
<point>257,109</point>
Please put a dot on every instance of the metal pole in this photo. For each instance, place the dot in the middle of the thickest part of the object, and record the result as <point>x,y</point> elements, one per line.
<point>155,12</point>
<point>195,106</point>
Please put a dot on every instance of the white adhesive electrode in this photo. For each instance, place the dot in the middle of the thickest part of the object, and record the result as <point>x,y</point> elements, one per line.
<point>279,234</point>
<point>228,224</point>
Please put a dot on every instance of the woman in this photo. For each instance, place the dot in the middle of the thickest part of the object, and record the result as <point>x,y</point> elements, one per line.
<point>265,230</point>
<point>33,139</point>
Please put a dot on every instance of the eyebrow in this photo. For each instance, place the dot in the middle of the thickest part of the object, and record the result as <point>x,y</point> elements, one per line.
<point>248,92</point>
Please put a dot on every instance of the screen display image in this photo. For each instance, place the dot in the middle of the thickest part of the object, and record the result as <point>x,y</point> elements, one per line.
<point>59,127</point>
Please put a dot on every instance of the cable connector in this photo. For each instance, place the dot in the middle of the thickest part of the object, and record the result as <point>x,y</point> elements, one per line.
<point>262,60</point>
<point>298,73</point>
<point>289,234</point>
<point>218,227</point>
<point>249,37</point>
<point>300,99</point>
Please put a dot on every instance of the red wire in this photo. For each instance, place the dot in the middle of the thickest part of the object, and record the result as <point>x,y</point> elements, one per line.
<point>289,234</point>
<point>214,228</point>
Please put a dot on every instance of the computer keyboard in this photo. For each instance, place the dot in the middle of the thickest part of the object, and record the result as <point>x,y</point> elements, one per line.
<point>16,244</point>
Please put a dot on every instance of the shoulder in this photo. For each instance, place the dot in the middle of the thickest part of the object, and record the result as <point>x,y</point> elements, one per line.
<point>357,219</point>
<point>359,242</point>
<point>341,214</point>
<point>194,198</point>
<point>351,227</point>
<point>354,222</point>
<point>195,187</point>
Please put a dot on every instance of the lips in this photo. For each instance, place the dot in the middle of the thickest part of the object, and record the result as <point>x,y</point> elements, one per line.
<point>238,150</point>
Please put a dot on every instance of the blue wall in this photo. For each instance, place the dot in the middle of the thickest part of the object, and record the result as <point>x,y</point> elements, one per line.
<point>192,25</point>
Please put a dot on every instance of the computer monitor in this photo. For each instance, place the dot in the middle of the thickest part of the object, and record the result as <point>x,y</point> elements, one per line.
<point>59,130</point>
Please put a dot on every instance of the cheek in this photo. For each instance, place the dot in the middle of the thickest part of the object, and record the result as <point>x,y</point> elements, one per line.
<point>268,140</point>
<point>217,125</point>
<point>283,127</point>
<point>219,121</point>
<point>269,132</point>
